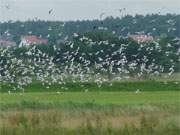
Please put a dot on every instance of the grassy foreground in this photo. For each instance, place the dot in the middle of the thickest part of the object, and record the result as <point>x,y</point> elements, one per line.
<point>90,113</point>
<point>115,108</point>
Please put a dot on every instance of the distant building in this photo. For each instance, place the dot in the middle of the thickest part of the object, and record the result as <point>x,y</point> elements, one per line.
<point>32,40</point>
<point>141,38</point>
<point>5,42</point>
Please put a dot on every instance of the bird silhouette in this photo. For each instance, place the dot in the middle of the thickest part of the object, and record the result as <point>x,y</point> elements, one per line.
<point>50,11</point>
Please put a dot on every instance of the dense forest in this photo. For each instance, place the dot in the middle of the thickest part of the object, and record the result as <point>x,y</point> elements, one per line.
<point>154,24</point>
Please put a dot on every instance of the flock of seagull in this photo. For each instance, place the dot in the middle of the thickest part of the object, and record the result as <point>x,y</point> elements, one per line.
<point>40,66</point>
<point>74,65</point>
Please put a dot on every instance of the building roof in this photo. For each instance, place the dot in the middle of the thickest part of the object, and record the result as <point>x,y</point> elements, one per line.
<point>30,38</point>
<point>34,40</point>
<point>142,38</point>
<point>4,42</point>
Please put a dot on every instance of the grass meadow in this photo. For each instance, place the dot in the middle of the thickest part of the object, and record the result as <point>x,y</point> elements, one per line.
<point>106,110</point>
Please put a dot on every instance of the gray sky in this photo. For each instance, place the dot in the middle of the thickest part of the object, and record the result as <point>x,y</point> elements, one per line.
<point>81,9</point>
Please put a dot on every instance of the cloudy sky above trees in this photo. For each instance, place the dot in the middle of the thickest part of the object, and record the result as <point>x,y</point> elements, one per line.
<point>82,9</point>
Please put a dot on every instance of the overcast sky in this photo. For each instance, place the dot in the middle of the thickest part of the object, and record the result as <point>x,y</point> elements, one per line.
<point>81,9</point>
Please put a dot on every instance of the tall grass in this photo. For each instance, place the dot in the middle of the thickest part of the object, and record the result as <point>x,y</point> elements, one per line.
<point>114,121</point>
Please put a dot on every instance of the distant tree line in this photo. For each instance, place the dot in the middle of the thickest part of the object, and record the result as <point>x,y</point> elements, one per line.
<point>154,24</point>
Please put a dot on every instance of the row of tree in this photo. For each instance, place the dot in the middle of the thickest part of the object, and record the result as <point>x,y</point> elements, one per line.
<point>155,25</point>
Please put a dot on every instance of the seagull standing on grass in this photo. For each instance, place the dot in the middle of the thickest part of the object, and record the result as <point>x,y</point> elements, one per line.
<point>9,92</point>
<point>137,91</point>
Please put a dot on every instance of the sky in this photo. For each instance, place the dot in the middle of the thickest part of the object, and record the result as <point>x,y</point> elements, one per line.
<point>65,10</point>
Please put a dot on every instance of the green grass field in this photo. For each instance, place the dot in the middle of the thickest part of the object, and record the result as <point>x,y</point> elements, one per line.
<point>115,110</point>
<point>143,85</point>
<point>99,98</point>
